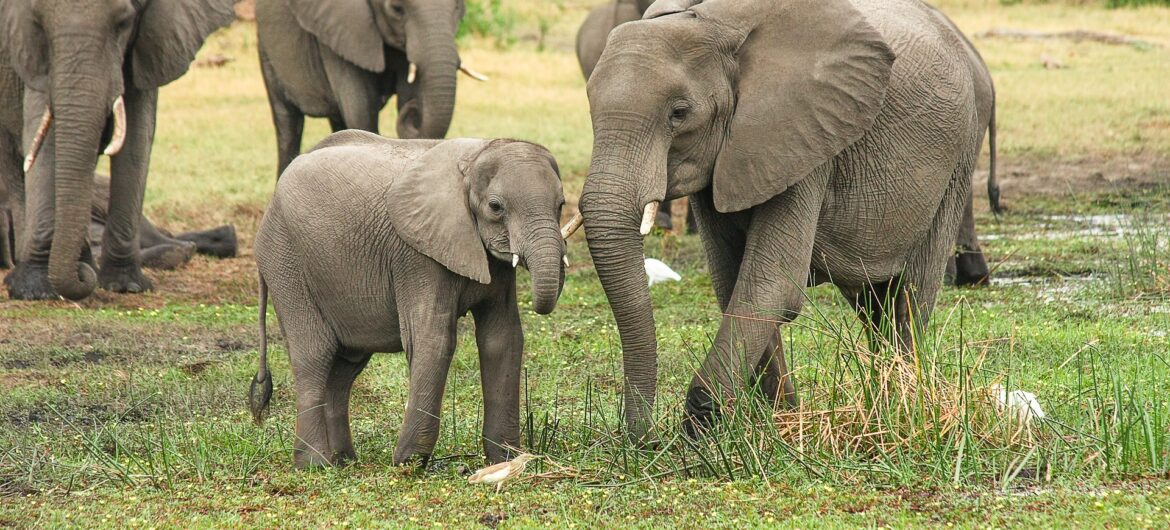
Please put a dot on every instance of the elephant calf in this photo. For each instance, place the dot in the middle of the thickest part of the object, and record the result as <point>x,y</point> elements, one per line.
<point>365,249</point>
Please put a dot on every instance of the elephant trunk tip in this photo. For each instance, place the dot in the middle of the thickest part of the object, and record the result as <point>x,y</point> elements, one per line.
<point>78,287</point>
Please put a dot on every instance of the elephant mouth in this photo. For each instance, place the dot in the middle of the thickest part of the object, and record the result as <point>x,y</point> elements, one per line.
<point>114,141</point>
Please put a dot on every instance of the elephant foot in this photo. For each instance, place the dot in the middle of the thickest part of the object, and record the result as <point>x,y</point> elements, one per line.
<point>168,257</point>
<point>344,457</point>
<point>306,458</point>
<point>123,279</point>
<point>30,281</point>
<point>406,457</point>
<point>218,242</point>
<point>701,412</point>
<point>970,269</point>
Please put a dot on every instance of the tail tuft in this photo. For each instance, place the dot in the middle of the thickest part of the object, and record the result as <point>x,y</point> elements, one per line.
<point>258,396</point>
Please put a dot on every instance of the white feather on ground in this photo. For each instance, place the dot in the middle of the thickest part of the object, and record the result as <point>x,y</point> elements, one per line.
<point>658,272</point>
<point>1024,404</point>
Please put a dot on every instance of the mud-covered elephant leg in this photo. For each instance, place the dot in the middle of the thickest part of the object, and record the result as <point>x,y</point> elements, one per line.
<point>121,264</point>
<point>501,345</point>
<point>768,291</point>
<point>429,341</point>
<point>346,367</point>
<point>967,266</point>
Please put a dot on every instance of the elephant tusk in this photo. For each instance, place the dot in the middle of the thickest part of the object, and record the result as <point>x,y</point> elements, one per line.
<point>472,73</point>
<point>515,260</point>
<point>648,215</point>
<point>411,74</point>
<point>119,138</point>
<point>572,226</point>
<point>565,259</point>
<point>38,139</point>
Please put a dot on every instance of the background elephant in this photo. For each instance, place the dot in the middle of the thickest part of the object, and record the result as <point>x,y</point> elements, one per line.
<point>370,222</point>
<point>160,249</point>
<point>343,59</point>
<point>91,72</point>
<point>835,137</point>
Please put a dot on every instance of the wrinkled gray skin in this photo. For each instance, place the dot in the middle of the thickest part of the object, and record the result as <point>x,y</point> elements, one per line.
<point>591,42</point>
<point>968,266</point>
<point>77,58</point>
<point>804,146</point>
<point>160,249</point>
<point>343,59</point>
<point>363,252</point>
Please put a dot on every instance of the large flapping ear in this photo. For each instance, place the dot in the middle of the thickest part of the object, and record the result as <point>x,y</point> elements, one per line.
<point>812,79</point>
<point>170,32</point>
<point>24,43</point>
<point>346,26</point>
<point>664,7</point>
<point>429,209</point>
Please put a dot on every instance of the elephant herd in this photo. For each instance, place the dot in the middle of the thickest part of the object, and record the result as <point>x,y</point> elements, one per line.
<point>816,141</point>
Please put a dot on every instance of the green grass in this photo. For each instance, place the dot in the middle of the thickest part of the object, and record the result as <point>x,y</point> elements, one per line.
<point>131,411</point>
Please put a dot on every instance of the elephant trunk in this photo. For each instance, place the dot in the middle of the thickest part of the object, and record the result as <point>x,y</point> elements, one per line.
<point>544,257</point>
<point>433,49</point>
<point>79,119</point>
<point>612,204</point>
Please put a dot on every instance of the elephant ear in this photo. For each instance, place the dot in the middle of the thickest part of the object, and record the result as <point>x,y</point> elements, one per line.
<point>170,32</point>
<point>812,79</point>
<point>664,7</point>
<point>346,27</point>
<point>429,210</point>
<point>24,43</point>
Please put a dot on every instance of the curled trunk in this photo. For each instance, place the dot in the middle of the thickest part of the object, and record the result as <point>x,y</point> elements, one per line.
<point>433,49</point>
<point>544,262</point>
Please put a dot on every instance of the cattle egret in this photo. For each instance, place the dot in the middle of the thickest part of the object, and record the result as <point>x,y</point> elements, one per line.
<point>1023,404</point>
<point>500,473</point>
<point>657,272</point>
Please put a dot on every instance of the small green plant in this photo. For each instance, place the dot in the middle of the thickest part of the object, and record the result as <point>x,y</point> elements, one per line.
<point>491,19</point>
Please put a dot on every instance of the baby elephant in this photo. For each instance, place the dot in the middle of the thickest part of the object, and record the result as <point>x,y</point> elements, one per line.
<point>378,245</point>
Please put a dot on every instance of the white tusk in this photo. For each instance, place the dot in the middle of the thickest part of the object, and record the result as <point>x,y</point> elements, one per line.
<point>119,128</point>
<point>565,259</point>
<point>648,216</point>
<point>572,226</point>
<point>472,73</point>
<point>515,260</point>
<point>38,139</point>
<point>412,74</point>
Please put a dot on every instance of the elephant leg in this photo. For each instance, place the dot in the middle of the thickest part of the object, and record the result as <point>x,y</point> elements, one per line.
<point>772,376</point>
<point>219,242</point>
<point>11,192</point>
<point>768,291</point>
<point>970,267</point>
<point>286,117</point>
<point>429,349</point>
<point>664,220</point>
<point>121,262</point>
<point>160,251</point>
<point>356,91</point>
<point>884,308</point>
<point>336,124</point>
<point>29,280</point>
<point>500,339</point>
<point>312,354</point>
<point>346,368</point>
<point>723,242</point>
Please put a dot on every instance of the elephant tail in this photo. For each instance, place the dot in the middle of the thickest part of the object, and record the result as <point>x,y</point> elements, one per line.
<point>261,390</point>
<point>992,181</point>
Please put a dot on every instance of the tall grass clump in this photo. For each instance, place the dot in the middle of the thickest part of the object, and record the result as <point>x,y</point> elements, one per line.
<point>490,19</point>
<point>1143,270</point>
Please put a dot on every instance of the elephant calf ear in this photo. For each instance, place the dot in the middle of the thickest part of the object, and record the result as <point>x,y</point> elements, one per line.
<point>346,27</point>
<point>170,32</point>
<point>812,79</point>
<point>429,210</point>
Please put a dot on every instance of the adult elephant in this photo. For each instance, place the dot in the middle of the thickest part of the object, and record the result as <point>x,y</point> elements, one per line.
<point>343,59</point>
<point>831,136</point>
<point>600,21</point>
<point>91,72</point>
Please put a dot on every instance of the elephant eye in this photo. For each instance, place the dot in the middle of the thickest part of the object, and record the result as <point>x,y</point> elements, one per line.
<point>678,114</point>
<point>398,9</point>
<point>495,206</point>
